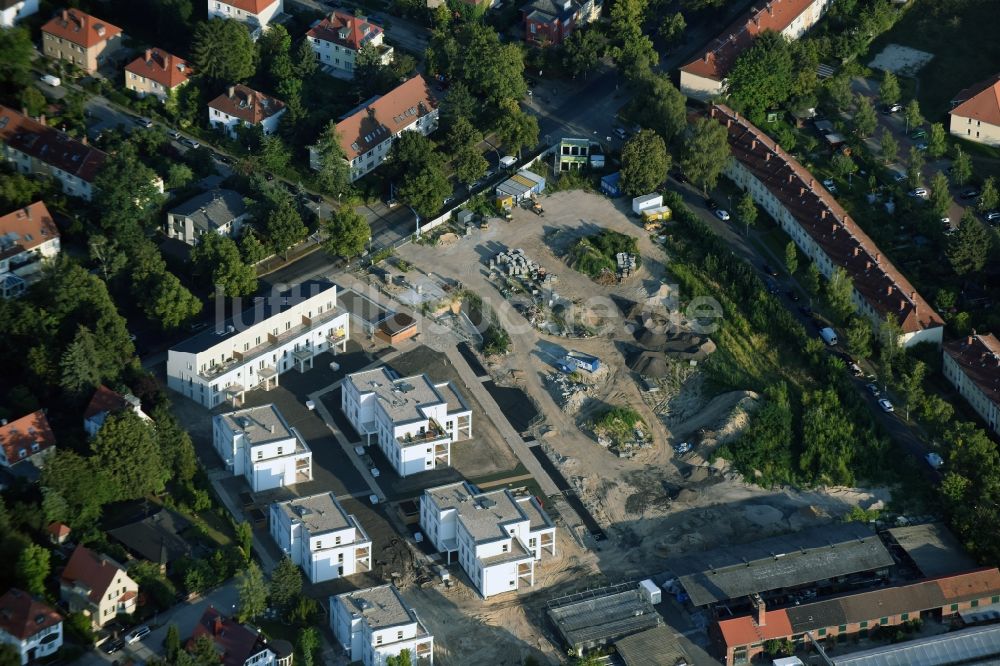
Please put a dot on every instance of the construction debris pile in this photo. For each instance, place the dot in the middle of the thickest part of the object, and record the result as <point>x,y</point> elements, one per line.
<point>568,392</point>
<point>626,265</point>
<point>515,264</point>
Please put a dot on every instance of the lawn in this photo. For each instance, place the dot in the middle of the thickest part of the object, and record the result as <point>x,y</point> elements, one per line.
<point>962,35</point>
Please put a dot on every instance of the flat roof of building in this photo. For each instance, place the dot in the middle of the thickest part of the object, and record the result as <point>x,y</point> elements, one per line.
<point>603,615</point>
<point>262,310</point>
<point>448,393</point>
<point>319,513</point>
<point>482,514</point>
<point>260,425</point>
<point>658,646</point>
<point>780,562</point>
<point>973,646</point>
<point>403,399</point>
<point>934,549</point>
<point>537,519</point>
<point>380,606</point>
<point>363,307</point>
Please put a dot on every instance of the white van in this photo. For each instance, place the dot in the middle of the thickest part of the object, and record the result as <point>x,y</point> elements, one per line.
<point>53,81</point>
<point>829,336</point>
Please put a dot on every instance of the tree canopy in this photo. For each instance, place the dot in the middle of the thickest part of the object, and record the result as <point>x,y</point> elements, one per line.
<point>969,248</point>
<point>127,450</point>
<point>347,233</point>
<point>645,163</point>
<point>218,259</point>
<point>222,51</point>
<point>762,77</point>
<point>705,153</point>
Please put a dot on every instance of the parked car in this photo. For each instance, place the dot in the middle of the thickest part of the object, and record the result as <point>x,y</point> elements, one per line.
<point>52,80</point>
<point>934,460</point>
<point>919,193</point>
<point>970,193</point>
<point>873,389</point>
<point>143,122</point>
<point>792,296</point>
<point>190,142</point>
<point>946,221</point>
<point>112,646</point>
<point>621,133</point>
<point>856,370</point>
<point>890,109</point>
<point>722,215</point>
<point>679,177</point>
<point>711,204</point>
<point>830,185</point>
<point>375,472</point>
<point>899,177</point>
<point>682,448</point>
<point>360,450</point>
<point>992,216</point>
<point>137,634</point>
<point>767,268</point>
<point>921,146</point>
<point>175,135</point>
<point>886,406</point>
<point>918,134</point>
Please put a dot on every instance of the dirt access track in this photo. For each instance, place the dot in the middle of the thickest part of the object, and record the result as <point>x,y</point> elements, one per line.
<point>667,504</point>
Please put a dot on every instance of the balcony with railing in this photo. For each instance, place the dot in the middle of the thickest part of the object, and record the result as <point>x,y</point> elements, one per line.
<point>432,434</point>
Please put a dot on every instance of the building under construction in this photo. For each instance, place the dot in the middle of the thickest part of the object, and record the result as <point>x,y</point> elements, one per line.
<point>590,619</point>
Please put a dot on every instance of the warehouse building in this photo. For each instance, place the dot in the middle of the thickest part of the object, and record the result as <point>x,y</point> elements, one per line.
<point>588,620</point>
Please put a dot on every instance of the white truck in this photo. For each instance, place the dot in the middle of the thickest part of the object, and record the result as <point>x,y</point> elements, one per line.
<point>645,202</point>
<point>829,336</point>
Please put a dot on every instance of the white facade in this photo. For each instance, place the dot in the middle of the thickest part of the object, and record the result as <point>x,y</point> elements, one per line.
<point>320,537</point>
<point>34,629</point>
<point>975,129</point>
<point>17,11</point>
<point>71,185</point>
<point>258,444</point>
<point>498,537</point>
<point>255,13</point>
<point>972,365</point>
<point>413,421</point>
<point>377,623</point>
<point>335,53</point>
<point>219,118</point>
<point>43,644</point>
<point>251,350</point>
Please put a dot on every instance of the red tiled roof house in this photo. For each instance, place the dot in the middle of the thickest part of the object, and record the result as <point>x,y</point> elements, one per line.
<point>368,132</point>
<point>255,13</point>
<point>35,148</point>
<point>977,114</point>
<point>823,230</point>
<point>30,625</point>
<point>972,365</point>
<point>81,39</point>
<point>337,39</point>
<point>96,585</point>
<point>29,438</point>
<point>27,236</point>
<point>156,72</point>
<point>704,77</point>
<point>237,645</point>
<point>105,402</point>
<point>241,105</point>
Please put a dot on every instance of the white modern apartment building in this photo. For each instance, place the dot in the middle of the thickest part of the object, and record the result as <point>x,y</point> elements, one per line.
<point>31,626</point>
<point>972,365</point>
<point>366,134</point>
<point>823,230</point>
<point>252,349</point>
<point>255,13</point>
<point>321,537</point>
<point>496,535</point>
<point>413,420</point>
<point>704,78</point>
<point>339,37</point>
<point>376,623</point>
<point>258,444</point>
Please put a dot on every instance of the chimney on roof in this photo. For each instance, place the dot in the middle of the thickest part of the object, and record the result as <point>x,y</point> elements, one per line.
<point>791,177</point>
<point>833,228</point>
<point>767,156</point>
<point>913,295</point>
<point>812,183</point>
<point>149,55</point>
<point>868,266</point>
<point>41,119</point>
<point>888,290</point>
<point>217,625</point>
<point>232,92</point>
<point>753,145</point>
<point>770,9</point>
<point>707,54</point>
<point>902,304</point>
<point>857,251</point>
<point>83,139</point>
<point>760,609</point>
<point>65,16</point>
<point>878,255</point>
<point>822,214</point>
<point>968,340</point>
<point>729,122</point>
<point>802,191</point>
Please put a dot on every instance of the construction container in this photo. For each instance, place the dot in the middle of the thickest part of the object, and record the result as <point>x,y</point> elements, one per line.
<point>656,214</point>
<point>646,201</point>
<point>650,591</point>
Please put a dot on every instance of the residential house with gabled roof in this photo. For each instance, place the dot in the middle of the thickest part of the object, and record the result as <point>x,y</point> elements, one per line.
<point>740,639</point>
<point>218,211</point>
<point>976,116</point>
<point>157,73</point>
<point>972,365</point>
<point>377,623</point>
<point>237,644</point>
<point>33,627</point>
<point>823,230</point>
<point>241,105</point>
<point>338,38</point>
<point>97,586</point>
<point>27,237</point>
<point>25,443</point>
<point>105,402</point>
<point>367,132</point>
<point>12,11</point>
<point>704,77</point>
<point>35,148</point>
<point>496,535</point>
<point>550,22</point>
<point>81,39</point>
<point>256,14</point>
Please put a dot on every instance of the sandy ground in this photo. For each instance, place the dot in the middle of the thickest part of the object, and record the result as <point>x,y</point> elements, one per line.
<point>901,60</point>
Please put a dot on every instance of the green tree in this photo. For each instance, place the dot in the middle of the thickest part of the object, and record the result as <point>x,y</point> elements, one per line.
<point>645,162</point>
<point>839,291</point>
<point>746,211</point>
<point>462,133</point>
<point>253,592</point>
<point>672,28</point>
<point>369,72</point>
<point>125,193</point>
<point>989,198</point>
<point>940,198</point>
<point>889,148</point>
<point>33,101</point>
<point>222,51</point>
<point>912,115</point>
<point>791,257</point>
<point>843,165</point>
<point>17,190</point>
<point>217,257</point>
<point>402,659</point>
<point>244,538</point>
<point>706,152</point>
<point>470,165</point>
<point>838,94</point>
<point>334,171</point>
<point>273,154</point>
<point>286,583</point>
<point>168,301</point>
<point>516,129</point>
<point>915,170</point>
<point>636,58</point>
<point>827,439</point>
<point>305,60</point>
<point>459,104</point>
<point>172,643</point>
<point>308,644</point>
<point>81,371</point>
<point>912,385</point>
<point>491,69</point>
<point>889,89</point>
<point>81,487</point>
<point>16,53</point>
<point>582,51</point>
<point>937,141</point>
<point>176,448</point>
<point>859,338</point>
<point>865,120</point>
<point>961,167</point>
<point>660,106</point>
<point>969,248</point>
<point>283,228</point>
<point>179,175</point>
<point>126,449</point>
<point>32,569</point>
<point>762,76</point>
<point>347,233</point>
<point>425,190</point>
<point>890,346</point>
<point>252,250</point>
